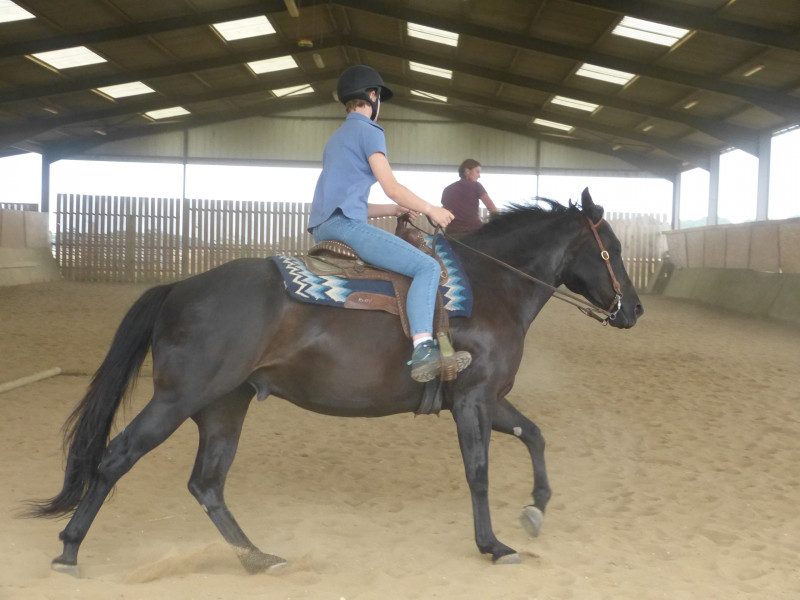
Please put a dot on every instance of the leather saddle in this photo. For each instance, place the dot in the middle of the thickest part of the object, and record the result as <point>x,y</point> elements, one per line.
<point>334,258</point>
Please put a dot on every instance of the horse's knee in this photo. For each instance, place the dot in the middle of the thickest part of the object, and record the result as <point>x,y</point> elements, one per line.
<point>530,435</point>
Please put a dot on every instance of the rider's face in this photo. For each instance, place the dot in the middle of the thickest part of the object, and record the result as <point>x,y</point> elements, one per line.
<point>473,174</point>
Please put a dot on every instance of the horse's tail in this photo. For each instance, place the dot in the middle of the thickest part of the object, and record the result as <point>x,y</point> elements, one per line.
<point>87,428</point>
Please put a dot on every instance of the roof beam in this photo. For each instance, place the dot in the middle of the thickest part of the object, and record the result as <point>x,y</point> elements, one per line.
<point>690,17</point>
<point>110,34</point>
<point>229,60</point>
<point>654,165</point>
<point>133,106</point>
<point>695,155</point>
<point>774,101</point>
<point>740,137</point>
<point>62,150</point>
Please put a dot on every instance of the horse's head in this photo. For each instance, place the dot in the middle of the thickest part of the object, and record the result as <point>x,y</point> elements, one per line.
<point>594,267</point>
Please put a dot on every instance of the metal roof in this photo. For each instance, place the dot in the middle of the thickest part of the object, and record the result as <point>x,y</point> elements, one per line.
<point>731,80</point>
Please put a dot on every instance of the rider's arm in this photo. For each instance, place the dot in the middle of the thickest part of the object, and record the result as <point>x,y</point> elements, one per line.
<point>402,195</point>
<point>487,202</point>
<point>387,210</point>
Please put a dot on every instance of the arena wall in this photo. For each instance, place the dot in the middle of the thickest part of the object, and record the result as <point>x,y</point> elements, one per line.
<point>750,267</point>
<point>25,255</point>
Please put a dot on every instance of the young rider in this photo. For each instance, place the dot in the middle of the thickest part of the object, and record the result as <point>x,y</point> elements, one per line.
<point>353,160</point>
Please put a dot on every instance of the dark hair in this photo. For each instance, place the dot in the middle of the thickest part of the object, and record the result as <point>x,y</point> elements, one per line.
<point>470,163</point>
<point>355,103</point>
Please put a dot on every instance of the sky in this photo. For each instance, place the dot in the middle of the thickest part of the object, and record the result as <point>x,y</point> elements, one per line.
<point>20,181</point>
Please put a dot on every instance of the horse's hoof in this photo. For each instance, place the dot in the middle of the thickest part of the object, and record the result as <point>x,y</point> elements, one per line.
<point>508,559</point>
<point>255,561</point>
<point>61,567</point>
<point>531,520</point>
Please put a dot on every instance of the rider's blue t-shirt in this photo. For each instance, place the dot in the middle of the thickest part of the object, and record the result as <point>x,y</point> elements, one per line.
<point>346,175</point>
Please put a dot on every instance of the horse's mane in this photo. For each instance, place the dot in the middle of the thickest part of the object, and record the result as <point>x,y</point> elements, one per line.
<point>516,215</point>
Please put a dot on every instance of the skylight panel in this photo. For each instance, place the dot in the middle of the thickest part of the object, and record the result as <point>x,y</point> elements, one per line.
<point>604,74</point>
<point>648,31</point>
<point>572,103</point>
<point>165,113</point>
<point>553,125</point>
<point>431,34</point>
<point>428,70</point>
<point>69,58</point>
<point>11,12</point>
<point>295,90</point>
<point>429,95</point>
<point>273,64</point>
<point>244,28</point>
<point>123,90</point>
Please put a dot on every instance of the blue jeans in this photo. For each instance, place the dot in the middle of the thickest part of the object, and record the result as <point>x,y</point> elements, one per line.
<point>385,250</point>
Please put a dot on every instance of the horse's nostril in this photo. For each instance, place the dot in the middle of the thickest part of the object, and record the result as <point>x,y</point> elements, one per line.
<point>638,310</point>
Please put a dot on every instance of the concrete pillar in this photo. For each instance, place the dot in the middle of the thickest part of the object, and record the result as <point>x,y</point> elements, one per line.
<point>45,204</point>
<point>676,202</point>
<point>764,162</point>
<point>713,190</point>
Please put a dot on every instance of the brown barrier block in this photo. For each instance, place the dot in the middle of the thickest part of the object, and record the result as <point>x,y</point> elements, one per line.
<point>676,242</point>
<point>37,233</point>
<point>682,282</point>
<point>789,239</point>
<point>12,229</point>
<point>714,247</point>
<point>764,247</point>
<point>695,248</point>
<point>787,302</point>
<point>20,266</point>
<point>737,247</point>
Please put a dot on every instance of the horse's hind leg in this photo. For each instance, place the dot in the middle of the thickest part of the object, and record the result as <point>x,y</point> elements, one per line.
<point>507,419</point>
<point>157,421</point>
<point>220,425</point>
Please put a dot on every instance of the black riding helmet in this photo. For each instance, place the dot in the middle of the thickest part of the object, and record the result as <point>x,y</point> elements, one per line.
<point>354,83</point>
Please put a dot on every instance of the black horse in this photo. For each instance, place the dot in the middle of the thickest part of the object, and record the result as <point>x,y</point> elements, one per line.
<point>223,336</point>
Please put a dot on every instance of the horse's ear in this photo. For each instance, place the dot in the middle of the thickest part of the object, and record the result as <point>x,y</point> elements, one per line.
<point>590,209</point>
<point>586,198</point>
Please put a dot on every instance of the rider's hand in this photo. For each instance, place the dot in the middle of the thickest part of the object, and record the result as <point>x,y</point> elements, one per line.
<point>400,211</point>
<point>440,215</point>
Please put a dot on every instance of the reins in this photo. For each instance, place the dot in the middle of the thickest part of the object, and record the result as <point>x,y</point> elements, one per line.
<point>583,305</point>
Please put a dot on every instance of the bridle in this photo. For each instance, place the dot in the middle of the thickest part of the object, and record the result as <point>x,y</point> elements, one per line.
<point>611,312</point>
<point>583,305</point>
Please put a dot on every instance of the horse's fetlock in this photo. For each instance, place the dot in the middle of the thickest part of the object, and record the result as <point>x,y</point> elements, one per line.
<point>70,537</point>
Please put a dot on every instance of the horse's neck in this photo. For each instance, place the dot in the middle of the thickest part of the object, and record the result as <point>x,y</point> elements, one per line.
<point>539,252</point>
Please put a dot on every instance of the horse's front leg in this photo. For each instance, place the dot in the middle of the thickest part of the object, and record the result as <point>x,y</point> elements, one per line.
<point>508,419</point>
<point>474,431</point>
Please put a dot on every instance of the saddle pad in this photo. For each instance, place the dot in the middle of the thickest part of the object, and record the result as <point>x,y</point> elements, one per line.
<point>333,291</point>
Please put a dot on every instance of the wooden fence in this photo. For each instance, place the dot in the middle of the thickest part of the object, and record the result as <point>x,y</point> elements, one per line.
<point>19,206</point>
<point>111,238</point>
<point>643,244</point>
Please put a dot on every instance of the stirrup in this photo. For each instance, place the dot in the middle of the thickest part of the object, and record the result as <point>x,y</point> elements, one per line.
<point>453,365</point>
<point>452,362</point>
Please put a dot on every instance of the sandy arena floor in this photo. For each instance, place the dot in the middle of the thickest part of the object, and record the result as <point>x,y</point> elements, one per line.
<point>673,451</point>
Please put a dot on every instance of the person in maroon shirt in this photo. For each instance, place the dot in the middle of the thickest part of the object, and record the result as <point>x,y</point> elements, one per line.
<point>461,198</point>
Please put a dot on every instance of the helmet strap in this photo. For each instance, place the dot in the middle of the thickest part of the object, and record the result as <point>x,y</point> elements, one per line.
<point>375,104</point>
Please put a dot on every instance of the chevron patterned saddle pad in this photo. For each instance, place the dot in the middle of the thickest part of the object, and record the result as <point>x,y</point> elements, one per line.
<point>333,290</point>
